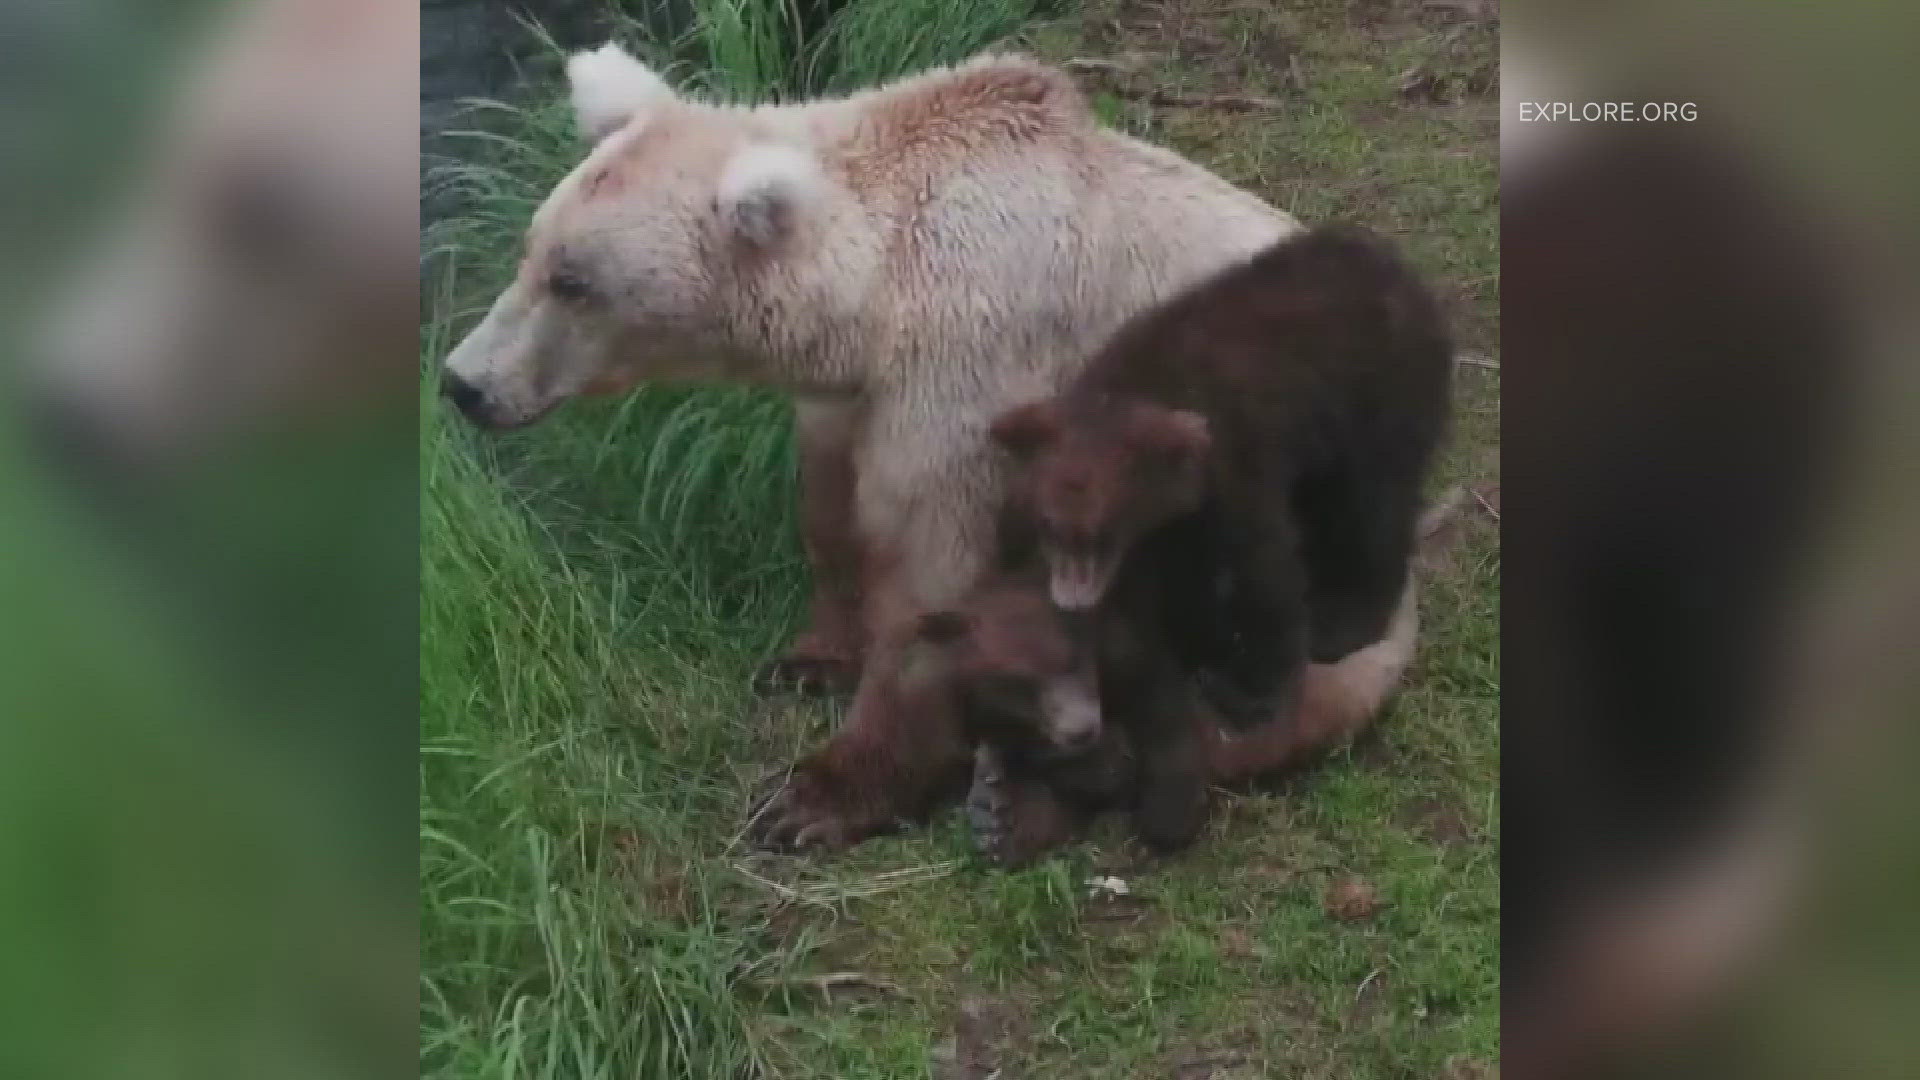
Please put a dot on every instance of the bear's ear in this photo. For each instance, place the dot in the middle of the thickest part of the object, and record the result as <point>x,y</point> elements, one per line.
<point>1026,429</point>
<point>1174,434</point>
<point>943,627</point>
<point>610,88</point>
<point>764,189</point>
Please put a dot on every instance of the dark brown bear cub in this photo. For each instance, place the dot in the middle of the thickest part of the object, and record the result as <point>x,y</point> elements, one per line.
<point>1283,414</point>
<point>1071,714</point>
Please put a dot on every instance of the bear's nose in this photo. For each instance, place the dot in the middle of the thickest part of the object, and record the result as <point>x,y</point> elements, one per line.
<point>464,395</point>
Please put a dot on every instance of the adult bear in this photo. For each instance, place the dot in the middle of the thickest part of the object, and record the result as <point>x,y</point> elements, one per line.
<point>910,262</point>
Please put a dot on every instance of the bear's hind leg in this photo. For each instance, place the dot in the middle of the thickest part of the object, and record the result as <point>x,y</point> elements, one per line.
<point>1337,702</point>
<point>1357,532</point>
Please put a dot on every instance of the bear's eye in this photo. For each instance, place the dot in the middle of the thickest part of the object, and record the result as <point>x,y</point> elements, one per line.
<point>568,286</point>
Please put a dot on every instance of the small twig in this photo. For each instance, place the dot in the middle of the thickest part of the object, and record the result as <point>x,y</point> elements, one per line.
<point>827,893</point>
<point>785,892</point>
<point>1487,506</point>
<point>1477,360</point>
<point>1169,99</point>
<point>1366,982</point>
<point>1090,65</point>
<point>834,980</point>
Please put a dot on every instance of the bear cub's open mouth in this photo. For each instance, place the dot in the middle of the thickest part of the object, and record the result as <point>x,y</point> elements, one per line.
<point>1077,581</point>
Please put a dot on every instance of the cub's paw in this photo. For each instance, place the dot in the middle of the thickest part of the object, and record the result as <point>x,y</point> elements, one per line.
<point>988,806</point>
<point>1015,819</point>
<point>807,674</point>
<point>1171,818</point>
<point>809,812</point>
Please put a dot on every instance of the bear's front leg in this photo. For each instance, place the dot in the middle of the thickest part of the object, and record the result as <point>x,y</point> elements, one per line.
<point>926,534</point>
<point>899,755</point>
<point>826,656</point>
<point>1169,731</point>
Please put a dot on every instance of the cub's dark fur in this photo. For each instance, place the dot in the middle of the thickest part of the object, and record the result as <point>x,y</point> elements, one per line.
<point>1269,429</point>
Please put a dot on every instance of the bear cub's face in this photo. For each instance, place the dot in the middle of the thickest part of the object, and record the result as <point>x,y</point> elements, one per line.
<point>1026,675</point>
<point>1093,477</point>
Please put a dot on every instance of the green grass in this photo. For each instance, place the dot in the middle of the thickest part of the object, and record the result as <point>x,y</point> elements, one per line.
<point>598,590</point>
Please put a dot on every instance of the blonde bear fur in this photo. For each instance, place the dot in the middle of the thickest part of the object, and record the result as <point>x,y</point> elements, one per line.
<point>909,261</point>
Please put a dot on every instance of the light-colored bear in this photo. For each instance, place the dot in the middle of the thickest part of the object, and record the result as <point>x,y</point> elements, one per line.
<point>909,261</point>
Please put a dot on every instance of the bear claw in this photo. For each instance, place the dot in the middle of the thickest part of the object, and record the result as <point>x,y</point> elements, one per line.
<point>987,806</point>
<point>809,676</point>
<point>797,817</point>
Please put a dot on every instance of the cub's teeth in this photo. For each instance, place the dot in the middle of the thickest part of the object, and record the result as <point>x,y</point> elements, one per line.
<point>1077,584</point>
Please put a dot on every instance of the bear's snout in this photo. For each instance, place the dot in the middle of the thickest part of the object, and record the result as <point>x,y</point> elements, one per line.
<point>1072,710</point>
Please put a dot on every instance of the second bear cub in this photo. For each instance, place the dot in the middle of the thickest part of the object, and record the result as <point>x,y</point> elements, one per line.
<point>1028,681</point>
<point>1071,713</point>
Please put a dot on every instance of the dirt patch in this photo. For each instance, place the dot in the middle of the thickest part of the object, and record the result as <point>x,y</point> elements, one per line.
<point>1274,51</point>
<point>1193,40</point>
<point>1240,943</point>
<point>1233,1055</point>
<point>1443,81</point>
<point>1120,914</point>
<point>1466,1068</point>
<point>989,1034</point>
<point>1438,821</point>
<point>1350,898</point>
<point>1443,529</point>
<point>1471,11</point>
<point>1400,18</point>
<point>1374,752</point>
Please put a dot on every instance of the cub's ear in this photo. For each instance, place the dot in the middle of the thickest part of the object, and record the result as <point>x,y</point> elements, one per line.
<point>943,627</point>
<point>1026,429</point>
<point>764,191</point>
<point>1177,434</point>
<point>610,89</point>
